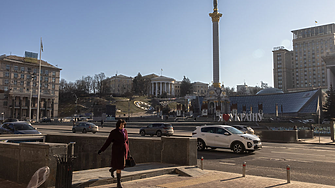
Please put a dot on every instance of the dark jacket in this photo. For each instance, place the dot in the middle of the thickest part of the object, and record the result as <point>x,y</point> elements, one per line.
<point>120,147</point>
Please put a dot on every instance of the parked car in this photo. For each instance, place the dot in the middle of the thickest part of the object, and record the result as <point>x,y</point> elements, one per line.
<point>325,121</point>
<point>85,127</point>
<point>245,129</point>
<point>225,136</point>
<point>46,119</point>
<point>11,120</point>
<point>158,129</point>
<point>18,127</point>
<point>83,118</point>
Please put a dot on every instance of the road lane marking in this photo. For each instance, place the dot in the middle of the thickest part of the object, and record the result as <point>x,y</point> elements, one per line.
<point>297,153</point>
<point>231,164</point>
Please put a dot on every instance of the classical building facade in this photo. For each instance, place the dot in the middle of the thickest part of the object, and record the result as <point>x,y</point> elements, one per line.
<point>306,69</point>
<point>161,85</point>
<point>120,84</point>
<point>177,85</point>
<point>199,88</point>
<point>19,88</point>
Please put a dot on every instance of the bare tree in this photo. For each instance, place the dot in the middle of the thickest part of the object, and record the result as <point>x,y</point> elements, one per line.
<point>89,83</point>
<point>81,86</point>
<point>98,78</point>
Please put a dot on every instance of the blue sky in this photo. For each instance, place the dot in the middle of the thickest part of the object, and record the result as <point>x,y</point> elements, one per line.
<point>85,38</point>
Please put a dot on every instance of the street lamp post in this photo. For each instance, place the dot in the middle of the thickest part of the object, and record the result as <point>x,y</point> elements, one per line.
<point>76,102</point>
<point>31,94</point>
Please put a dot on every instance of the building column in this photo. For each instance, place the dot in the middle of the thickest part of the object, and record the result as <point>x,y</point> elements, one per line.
<point>161,88</point>
<point>20,104</point>
<point>169,90</point>
<point>165,90</point>
<point>173,90</point>
<point>52,108</point>
<point>156,89</point>
<point>152,88</point>
<point>13,107</point>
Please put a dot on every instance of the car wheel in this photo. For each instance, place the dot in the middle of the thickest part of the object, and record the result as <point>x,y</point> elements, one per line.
<point>238,147</point>
<point>201,145</point>
<point>159,133</point>
<point>84,131</point>
<point>213,148</point>
<point>142,133</point>
<point>94,132</point>
<point>74,130</point>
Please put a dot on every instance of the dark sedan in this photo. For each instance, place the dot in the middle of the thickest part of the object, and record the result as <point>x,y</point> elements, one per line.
<point>18,127</point>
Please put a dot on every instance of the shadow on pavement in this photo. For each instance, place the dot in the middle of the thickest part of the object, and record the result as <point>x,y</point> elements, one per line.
<point>231,179</point>
<point>277,185</point>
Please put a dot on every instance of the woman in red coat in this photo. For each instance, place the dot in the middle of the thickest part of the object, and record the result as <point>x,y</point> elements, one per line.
<point>120,149</point>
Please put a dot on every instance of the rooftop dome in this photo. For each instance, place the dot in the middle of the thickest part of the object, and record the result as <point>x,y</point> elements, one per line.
<point>269,91</point>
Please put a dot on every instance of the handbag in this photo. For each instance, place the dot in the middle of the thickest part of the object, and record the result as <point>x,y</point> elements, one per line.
<point>130,162</point>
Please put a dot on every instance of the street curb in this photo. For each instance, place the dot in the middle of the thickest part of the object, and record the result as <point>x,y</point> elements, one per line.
<point>97,182</point>
<point>301,142</point>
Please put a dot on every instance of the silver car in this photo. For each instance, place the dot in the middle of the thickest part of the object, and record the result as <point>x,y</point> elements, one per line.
<point>158,129</point>
<point>245,129</point>
<point>85,127</point>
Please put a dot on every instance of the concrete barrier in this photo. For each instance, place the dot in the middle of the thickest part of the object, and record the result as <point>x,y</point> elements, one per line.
<point>179,150</point>
<point>305,134</point>
<point>19,161</point>
<point>174,150</point>
<point>278,136</point>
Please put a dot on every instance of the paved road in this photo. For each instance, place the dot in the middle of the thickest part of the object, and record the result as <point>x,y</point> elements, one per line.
<point>309,162</point>
<point>66,129</point>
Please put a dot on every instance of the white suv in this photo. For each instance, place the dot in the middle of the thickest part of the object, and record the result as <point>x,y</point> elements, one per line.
<point>225,136</point>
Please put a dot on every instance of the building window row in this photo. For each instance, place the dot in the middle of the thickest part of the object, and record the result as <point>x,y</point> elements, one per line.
<point>28,69</point>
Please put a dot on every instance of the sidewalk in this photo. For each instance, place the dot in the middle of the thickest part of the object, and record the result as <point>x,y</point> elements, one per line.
<point>213,179</point>
<point>325,140</point>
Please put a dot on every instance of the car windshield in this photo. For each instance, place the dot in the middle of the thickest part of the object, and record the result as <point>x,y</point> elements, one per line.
<point>22,126</point>
<point>234,130</point>
<point>91,124</point>
<point>168,125</point>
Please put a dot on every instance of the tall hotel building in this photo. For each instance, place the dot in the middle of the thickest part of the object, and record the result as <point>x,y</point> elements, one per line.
<point>303,68</point>
<point>19,88</point>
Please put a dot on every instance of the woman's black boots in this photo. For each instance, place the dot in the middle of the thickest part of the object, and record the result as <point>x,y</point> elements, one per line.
<point>118,176</point>
<point>112,170</point>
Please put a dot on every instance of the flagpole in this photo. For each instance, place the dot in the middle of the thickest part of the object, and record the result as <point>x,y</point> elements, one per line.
<point>39,86</point>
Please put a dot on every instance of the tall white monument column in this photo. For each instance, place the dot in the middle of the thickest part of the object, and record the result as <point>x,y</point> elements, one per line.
<point>215,19</point>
